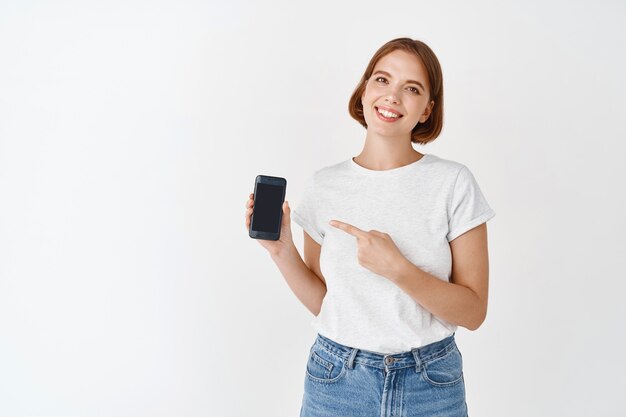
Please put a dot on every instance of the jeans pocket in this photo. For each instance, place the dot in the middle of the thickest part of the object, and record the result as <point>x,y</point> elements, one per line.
<point>324,366</point>
<point>444,370</point>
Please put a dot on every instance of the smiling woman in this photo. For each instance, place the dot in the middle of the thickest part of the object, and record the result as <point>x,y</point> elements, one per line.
<point>412,66</point>
<point>396,253</point>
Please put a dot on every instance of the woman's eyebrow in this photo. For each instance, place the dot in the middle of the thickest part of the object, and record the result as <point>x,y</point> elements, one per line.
<point>408,81</point>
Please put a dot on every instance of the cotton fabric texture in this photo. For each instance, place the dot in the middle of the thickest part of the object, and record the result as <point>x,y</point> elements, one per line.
<point>423,206</point>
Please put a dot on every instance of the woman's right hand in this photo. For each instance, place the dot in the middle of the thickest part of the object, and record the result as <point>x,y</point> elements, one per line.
<point>285,242</point>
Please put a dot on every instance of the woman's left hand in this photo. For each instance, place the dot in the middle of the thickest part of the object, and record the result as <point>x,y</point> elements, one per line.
<point>376,250</point>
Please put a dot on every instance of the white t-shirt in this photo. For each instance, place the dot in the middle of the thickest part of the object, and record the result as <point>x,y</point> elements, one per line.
<point>422,206</point>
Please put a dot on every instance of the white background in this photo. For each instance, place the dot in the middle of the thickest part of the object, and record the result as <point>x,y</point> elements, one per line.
<point>130,137</point>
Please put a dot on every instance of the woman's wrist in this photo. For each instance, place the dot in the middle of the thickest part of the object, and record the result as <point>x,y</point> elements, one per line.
<point>284,251</point>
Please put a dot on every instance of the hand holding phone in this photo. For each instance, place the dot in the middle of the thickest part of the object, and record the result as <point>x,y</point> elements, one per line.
<point>268,215</point>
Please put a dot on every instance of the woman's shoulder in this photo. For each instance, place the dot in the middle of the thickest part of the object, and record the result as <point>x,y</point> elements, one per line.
<point>332,170</point>
<point>455,173</point>
<point>446,164</point>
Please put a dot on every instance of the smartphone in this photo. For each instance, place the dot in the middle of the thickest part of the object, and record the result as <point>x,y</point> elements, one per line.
<point>267,213</point>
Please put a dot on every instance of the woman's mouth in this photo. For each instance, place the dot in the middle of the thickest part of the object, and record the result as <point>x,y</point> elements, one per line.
<point>386,115</point>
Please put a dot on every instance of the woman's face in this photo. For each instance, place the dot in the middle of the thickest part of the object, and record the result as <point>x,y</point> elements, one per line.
<point>399,83</point>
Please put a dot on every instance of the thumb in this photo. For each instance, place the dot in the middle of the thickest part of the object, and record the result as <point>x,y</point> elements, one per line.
<point>287,212</point>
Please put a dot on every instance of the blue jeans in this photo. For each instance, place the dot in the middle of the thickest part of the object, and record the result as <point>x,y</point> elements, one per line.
<point>342,381</point>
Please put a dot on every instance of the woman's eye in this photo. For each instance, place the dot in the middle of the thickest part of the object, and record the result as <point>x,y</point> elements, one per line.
<point>416,91</point>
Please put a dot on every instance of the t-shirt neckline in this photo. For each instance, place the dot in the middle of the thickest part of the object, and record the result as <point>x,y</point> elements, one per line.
<point>386,172</point>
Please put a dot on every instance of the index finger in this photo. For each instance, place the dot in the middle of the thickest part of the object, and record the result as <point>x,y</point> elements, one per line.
<point>348,228</point>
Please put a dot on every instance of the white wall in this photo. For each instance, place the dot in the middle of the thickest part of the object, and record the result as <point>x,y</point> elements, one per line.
<point>131,133</point>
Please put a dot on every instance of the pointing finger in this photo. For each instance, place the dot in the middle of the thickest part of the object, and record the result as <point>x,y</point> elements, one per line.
<point>348,228</point>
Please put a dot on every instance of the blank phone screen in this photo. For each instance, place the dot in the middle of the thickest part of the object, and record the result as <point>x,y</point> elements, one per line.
<point>267,206</point>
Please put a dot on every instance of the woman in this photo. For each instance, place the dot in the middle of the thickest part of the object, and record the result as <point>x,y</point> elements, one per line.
<point>395,249</point>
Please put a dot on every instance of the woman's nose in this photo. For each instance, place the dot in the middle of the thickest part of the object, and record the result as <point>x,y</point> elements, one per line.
<point>392,98</point>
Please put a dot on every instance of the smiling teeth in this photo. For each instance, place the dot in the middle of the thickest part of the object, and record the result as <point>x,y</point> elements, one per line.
<point>388,114</point>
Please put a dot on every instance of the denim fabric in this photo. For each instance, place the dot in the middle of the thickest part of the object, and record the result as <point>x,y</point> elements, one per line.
<point>342,381</point>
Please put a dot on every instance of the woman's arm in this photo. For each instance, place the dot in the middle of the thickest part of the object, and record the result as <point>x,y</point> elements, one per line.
<point>463,301</point>
<point>303,281</point>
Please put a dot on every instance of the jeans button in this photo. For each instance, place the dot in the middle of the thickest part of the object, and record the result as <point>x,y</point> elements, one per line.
<point>388,361</point>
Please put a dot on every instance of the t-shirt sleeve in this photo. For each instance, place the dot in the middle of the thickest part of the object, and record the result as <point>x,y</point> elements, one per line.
<point>468,206</point>
<point>306,213</point>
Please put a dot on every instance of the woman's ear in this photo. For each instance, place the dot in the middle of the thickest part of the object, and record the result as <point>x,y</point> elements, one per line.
<point>427,112</point>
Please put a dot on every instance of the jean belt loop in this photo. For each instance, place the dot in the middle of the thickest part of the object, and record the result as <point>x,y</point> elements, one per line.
<point>351,358</point>
<point>418,361</point>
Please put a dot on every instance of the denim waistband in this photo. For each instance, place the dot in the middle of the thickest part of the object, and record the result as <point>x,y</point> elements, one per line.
<point>415,357</point>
